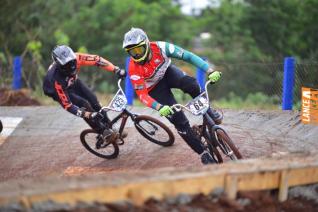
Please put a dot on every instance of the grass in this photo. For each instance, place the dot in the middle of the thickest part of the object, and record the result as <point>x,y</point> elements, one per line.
<point>232,101</point>
<point>252,101</point>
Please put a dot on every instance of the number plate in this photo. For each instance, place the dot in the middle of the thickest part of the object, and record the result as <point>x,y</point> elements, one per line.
<point>119,102</point>
<point>199,105</point>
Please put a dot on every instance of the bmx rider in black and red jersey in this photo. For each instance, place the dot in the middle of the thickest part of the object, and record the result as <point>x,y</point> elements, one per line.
<point>62,84</point>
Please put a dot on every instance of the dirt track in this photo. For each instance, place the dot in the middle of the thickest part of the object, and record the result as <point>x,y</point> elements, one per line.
<point>46,143</point>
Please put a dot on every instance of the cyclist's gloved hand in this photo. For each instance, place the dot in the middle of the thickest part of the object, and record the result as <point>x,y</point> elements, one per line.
<point>165,111</point>
<point>215,76</point>
<point>121,73</point>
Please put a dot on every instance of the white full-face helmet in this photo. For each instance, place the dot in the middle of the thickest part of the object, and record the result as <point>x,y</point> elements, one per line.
<point>136,44</point>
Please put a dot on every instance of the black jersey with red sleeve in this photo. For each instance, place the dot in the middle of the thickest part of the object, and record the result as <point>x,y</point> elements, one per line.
<point>57,85</point>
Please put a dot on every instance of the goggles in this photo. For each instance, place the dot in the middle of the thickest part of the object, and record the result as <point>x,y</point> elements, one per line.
<point>138,52</point>
<point>70,68</point>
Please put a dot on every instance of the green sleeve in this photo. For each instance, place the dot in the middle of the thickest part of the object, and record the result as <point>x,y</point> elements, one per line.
<point>177,52</point>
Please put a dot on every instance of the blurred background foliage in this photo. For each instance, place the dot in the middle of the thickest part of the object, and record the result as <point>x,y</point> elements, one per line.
<point>246,39</point>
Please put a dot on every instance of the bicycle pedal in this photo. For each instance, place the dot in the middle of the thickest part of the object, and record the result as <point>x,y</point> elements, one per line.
<point>120,141</point>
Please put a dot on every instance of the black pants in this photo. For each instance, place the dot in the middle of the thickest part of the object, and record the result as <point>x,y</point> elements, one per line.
<point>175,78</point>
<point>83,97</point>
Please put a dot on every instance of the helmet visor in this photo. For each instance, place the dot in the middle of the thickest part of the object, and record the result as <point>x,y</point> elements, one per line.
<point>138,51</point>
<point>70,68</point>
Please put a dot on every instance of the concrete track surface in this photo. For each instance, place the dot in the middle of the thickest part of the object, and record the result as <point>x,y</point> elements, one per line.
<point>46,143</point>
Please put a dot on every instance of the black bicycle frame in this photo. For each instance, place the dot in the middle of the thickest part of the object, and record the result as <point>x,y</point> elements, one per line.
<point>125,114</point>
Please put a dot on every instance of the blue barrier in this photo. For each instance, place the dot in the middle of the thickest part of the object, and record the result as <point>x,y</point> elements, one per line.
<point>17,73</point>
<point>288,83</point>
<point>129,90</point>
<point>200,75</point>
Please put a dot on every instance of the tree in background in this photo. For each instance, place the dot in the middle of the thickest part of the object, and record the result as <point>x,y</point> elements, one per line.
<point>244,36</point>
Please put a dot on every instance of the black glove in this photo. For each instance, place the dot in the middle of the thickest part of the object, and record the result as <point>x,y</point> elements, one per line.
<point>121,73</point>
<point>81,112</point>
<point>86,114</point>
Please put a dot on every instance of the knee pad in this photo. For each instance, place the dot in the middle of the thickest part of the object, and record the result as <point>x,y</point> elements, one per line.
<point>190,85</point>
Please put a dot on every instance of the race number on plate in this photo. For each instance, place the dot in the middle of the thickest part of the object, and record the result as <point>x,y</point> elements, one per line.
<point>199,105</point>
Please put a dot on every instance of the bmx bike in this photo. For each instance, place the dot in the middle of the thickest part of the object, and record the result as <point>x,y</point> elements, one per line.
<point>212,136</point>
<point>107,147</point>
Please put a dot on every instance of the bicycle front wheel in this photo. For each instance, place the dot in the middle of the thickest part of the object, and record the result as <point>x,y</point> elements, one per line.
<point>226,145</point>
<point>154,130</point>
<point>215,153</point>
<point>96,145</point>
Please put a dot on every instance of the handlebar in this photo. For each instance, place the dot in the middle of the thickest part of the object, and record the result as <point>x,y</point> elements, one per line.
<point>179,107</point>
<point>120,90</point>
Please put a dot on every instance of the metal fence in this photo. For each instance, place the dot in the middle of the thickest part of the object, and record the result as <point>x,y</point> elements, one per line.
<point>239,79</point>
<point>306,75</point>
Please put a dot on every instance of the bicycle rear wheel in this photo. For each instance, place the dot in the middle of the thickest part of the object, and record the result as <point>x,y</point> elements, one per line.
<point>226,144</point>
<point>92,141</point>
<point>154,130</point>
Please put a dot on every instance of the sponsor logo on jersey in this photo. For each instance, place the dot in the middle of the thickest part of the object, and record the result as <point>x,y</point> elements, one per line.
<point>139,87</point>
<point>157,61</point>
<point>171,48</point>
<point>134,77</point>
<point>180,53</point>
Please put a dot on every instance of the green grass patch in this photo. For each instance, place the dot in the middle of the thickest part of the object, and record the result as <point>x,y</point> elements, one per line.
<point>256,100</point>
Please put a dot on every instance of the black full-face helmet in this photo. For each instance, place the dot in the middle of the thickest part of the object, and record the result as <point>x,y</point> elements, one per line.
<point>137,45</point>
<point>64,57</point>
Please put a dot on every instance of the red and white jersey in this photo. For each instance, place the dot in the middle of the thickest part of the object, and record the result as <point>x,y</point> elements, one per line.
<point>152,71</point>
<point>144,77</point>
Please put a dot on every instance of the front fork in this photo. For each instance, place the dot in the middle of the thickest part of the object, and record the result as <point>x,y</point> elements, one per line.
<point>209,128</point>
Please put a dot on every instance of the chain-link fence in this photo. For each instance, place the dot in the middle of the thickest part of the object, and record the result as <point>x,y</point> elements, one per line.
<point>263,82</point>
<point>257,83</point>
<point>250,85</point>
<point>306,75</point>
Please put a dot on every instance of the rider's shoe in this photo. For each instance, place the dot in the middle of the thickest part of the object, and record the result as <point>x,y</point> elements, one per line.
<point>216,116</point>
<point>206,158</point>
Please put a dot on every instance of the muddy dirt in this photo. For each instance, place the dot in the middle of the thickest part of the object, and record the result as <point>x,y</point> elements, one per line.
<point>216,201</point>
<point>46,143</point>
<point>16,98</point>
